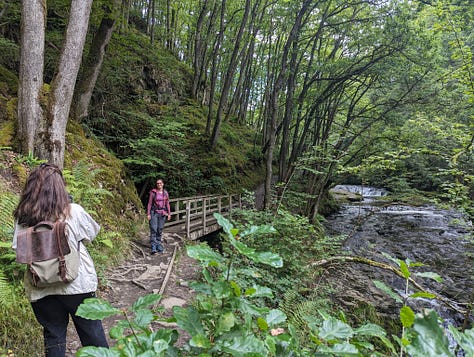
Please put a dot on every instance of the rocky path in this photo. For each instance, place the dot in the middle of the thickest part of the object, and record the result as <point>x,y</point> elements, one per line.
<point>166,273</point>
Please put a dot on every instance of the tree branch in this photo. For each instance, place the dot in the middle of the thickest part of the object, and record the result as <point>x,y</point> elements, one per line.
<point>361,260</point>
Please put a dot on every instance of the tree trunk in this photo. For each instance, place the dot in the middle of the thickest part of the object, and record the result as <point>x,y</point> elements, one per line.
<point>153,21</point>
<point>93,63</point>
<point>30,112</point>
<point>199,50</point>
<point>229,77</point>
<point>214,66</point>
<point>274,96</point>
<point>42,132</point>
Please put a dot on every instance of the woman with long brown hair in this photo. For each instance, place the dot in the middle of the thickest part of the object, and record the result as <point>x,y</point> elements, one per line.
<point>44,198</point>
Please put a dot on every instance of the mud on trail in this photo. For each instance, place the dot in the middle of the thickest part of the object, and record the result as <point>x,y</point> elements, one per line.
<point>166,273</point>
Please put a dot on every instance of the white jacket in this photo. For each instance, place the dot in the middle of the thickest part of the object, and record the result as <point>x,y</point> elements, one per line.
<point>82,228</point>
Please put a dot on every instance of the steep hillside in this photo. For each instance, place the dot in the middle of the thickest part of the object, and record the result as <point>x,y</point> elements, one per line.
<point>142,110</point>
<point>142,124</point>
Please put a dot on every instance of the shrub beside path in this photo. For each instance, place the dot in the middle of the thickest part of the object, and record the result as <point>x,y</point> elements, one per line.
<point>166,273</point>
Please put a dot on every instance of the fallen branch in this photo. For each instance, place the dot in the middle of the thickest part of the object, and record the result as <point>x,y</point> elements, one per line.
<point>168,272</point>
<point>356,259</point>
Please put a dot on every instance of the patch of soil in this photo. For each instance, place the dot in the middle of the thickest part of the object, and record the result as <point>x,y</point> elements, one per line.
<point>166,273</point>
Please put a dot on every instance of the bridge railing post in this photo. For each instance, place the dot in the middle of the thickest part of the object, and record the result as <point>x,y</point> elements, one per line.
<point>204,212</point>
<point>188,219</point>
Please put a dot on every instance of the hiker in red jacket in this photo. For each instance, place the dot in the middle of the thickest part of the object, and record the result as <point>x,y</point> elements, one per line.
<point>158,210</point>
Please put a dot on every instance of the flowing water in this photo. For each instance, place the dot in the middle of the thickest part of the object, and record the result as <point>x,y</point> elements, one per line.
<point>440,239</point>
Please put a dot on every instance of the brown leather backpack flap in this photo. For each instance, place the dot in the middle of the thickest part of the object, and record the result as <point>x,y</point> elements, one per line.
<point>42,242</point>
<point>23,246</point>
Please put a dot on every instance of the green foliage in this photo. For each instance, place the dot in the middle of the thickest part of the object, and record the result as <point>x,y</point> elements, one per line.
<point>81,184</point>
<point>224,320</point>
<point>229,319</point>
<point>294,239</point>
<point>30,160</point>
<point>19,332</point>
<point>10,55</point>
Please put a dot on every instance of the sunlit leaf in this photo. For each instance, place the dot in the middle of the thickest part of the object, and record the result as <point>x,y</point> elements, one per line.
<point>370,329</point>
<point>203,253</point>
<point>200,341</point>
<point>244,346</point>
<point>407,316</point>
<point>96,309</point>
<point>145,301</point>
<point>430,275</point>
<point>275,317</point>
<point>335,329</point>
<point>422,294</point>
<point>263,229</point>
<point>404,269</point>
<point>225,322</point>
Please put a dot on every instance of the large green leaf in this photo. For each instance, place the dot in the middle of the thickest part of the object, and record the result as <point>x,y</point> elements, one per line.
<point>96,309</point>
<point>200,341</point>
<point>97,352</point>
<point>267,258</point>
<point>143,318</point>
<point>275,317</point>
<point>204,253</point>
<point>188,319</point>
<point>333,328</point>
<point>226,322</point>
<point>144,301</point>
<point>430,339</point>
<point>465,340</point>
<point>224,223</point>
<point>340,349</point>
<point>264,229</point>
<point>370,329</point>
<point>259,291</point>
<point>244,346</point>
<point>248,308</point>
<point>159,346</point>
<point>222,290</point>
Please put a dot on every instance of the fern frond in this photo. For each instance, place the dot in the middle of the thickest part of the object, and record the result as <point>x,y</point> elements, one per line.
<point>8,203</point>
<point>297,309</point>
<point>7,295</point>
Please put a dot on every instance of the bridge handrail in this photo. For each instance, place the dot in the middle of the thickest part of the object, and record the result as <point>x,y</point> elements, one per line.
<point>197,211</point>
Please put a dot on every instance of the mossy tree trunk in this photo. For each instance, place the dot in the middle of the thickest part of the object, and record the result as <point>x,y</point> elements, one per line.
<point>43,115</point>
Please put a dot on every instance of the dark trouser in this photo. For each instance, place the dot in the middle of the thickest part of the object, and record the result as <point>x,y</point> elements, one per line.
<point>157,222</point>
<point>53,311</point>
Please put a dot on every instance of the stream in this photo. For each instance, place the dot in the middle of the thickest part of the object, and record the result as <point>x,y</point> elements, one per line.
<point>440,239</point>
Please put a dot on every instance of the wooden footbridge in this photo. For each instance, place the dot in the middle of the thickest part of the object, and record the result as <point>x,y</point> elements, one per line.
<point>193,217</point>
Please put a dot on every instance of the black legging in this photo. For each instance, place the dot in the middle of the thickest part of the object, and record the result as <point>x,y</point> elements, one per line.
<point>53,311</point>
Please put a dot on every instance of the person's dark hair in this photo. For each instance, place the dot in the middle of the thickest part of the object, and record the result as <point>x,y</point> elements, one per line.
<point>44,197</point>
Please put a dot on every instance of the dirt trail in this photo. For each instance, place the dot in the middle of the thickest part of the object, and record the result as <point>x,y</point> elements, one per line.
<point>144,274</point>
